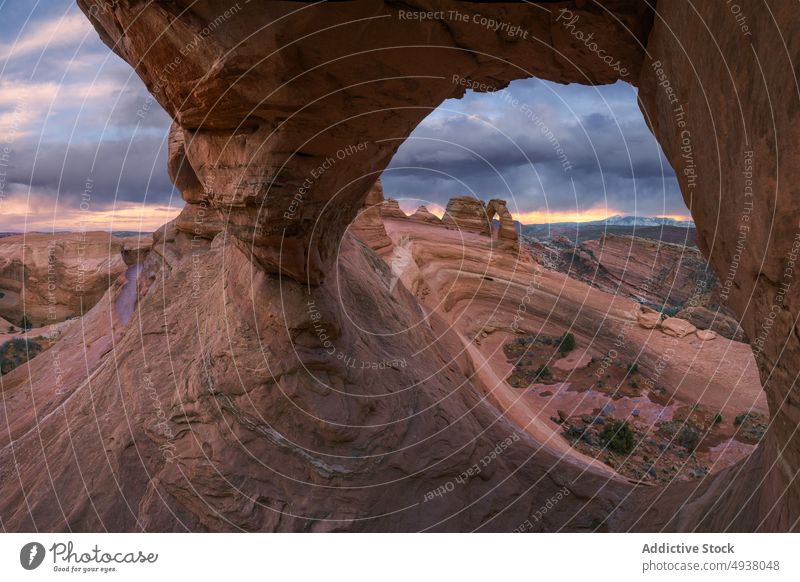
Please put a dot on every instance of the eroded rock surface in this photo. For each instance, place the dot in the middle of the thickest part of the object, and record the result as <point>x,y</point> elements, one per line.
<point>391,210</point>
<point>47,278</point>
<point>424,215</point>
<point>368,225</point>
<point>468,214</point>
<point>507,230</point>
<point>677,327</point>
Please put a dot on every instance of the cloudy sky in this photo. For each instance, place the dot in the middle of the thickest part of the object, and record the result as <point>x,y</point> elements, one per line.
<point>555,152</point>
<point>77,155</point>
<point>80,148</point>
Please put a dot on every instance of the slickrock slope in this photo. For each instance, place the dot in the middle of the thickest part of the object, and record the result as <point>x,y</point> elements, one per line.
<point>490,296</point>
<point>293,108</point>
<point>51,277</point>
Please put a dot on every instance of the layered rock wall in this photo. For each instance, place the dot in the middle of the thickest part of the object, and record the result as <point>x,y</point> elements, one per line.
<point>368,225</point>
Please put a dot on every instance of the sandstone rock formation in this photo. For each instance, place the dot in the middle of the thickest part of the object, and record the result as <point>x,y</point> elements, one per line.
<point>391,210</point>
<point>649,318</point>
<point>507,230</point>
<point>286,111</point>
<point>677,327</point>
<point>720,321</point>
<point>765,493</point>
<point>243,149</point>
<point>136,248</point>
<point>668,277</point>
<point>468,214</point>
<point>424,215</point>
<point>705,335</point>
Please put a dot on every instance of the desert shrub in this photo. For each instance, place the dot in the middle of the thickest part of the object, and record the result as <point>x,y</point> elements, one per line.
<point>740,419</point>
<point>633,368</point>
<point>26,323</point>
<point>717,418</point>
<point>669,312</point>
<point>543,371</point>
<point>689,438</point>
<point>566,343</point>
<point>618,437</point>
<point>17,351</point>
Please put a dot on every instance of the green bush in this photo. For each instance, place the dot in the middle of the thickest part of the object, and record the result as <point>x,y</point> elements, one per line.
<point>26,323</point>
<point>566,343</point>
<point>543,371</point>
<point>618,437</point>
<point>689,438</point>
<point>17,351</point>
<point>633,368</point>
<point>717,418</point>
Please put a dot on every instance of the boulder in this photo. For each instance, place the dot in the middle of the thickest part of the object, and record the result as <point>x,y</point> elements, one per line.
<point>649,318</point>
<point>705,334</point>
<point>720,321</point>
<point>677,327</point>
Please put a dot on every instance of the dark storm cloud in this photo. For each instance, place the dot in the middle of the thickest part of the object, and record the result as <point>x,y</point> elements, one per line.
<point>112,171</point>
<point>77,113</point>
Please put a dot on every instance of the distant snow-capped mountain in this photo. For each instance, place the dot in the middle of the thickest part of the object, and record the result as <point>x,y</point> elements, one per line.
<point>627,220</point>
<point>620,220</point>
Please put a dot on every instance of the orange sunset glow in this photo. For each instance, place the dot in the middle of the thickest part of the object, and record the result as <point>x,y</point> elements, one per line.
<point>17,215</point>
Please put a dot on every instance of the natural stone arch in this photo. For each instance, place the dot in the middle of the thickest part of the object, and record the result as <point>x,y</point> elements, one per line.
<point>283,88</point>
<point>507,230</point>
